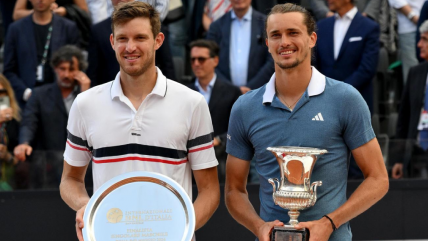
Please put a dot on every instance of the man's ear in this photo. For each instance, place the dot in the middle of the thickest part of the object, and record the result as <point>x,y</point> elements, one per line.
<point>159,40</point>
<point>215,60</point>
<point>112,41</point>
<point>313,40</point>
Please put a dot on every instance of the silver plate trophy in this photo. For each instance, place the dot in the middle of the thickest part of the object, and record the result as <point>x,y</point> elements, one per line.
<point>295,191</point>
<point>139,206</point>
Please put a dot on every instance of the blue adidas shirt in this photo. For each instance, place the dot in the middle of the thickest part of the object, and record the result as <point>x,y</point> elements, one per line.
<point>330,115</point>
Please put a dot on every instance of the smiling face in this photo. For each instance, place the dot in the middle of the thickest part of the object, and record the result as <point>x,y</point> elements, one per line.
<point>288,40</point>
<point>135,46</point>
<point>203,65</point>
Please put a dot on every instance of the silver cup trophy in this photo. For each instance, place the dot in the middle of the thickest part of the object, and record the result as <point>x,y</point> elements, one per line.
<point>295,191</point>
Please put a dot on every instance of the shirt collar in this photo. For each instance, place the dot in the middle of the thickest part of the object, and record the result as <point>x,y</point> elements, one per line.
<point>316,86</point>
<point>247,16</point>
<point>159,89</point>
<point>350,14</point>
<point>210,84</point>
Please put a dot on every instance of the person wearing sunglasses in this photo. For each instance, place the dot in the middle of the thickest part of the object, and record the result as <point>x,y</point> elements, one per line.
<point>219,94</point>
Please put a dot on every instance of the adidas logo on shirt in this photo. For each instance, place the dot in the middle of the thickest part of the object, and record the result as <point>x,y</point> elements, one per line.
<point>318,117</point>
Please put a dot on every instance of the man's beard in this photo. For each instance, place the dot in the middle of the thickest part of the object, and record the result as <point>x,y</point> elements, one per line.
<point>66,85</point>
<point>142,69</point>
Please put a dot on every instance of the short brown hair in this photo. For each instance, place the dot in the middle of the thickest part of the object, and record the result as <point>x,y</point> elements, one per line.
<point>308,20</point>
<point>125,12</point>
<point>209,44</point>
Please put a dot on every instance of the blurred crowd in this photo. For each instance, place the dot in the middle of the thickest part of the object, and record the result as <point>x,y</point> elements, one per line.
<point>53,50</point>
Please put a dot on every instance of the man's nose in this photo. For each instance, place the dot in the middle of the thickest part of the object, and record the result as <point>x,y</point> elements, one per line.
<point>130,46</point>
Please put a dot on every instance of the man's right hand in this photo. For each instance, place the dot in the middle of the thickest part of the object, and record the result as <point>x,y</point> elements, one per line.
<point>79,222</point>
<point>22,151</point>
<point>264,231</point>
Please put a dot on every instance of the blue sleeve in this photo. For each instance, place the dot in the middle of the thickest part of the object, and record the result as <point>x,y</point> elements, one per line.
<point>355,119</point>
<point>238,144</point>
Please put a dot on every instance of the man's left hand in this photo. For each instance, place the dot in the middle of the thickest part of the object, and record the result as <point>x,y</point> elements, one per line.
<point>83,80</point>
<point>320,230</point>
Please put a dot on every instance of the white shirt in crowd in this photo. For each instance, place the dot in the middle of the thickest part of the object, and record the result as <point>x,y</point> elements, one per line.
<point>98,10</point>
<point>404,24</point>
<point>341,26</point>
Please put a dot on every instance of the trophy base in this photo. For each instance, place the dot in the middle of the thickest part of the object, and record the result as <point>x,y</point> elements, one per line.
<point>289,233</point>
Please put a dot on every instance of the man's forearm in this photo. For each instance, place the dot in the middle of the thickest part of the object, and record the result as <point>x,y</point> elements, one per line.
<point>242,210</point>
<point>74,193</point>
<point>205,205</point>
<point>367,194</point>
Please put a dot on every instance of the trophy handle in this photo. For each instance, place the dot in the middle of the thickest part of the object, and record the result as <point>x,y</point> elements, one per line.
<point>314,187</point>
<point>272,181</point>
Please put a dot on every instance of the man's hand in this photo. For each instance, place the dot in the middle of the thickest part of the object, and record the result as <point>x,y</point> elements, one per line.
<point>5,114</point>
<point>329,14</point>
<point>264,231</point>
<point>244,89</point>
<point>83,80</point>
<point>79,223</point>
<point>216,141</point>
<point>320,230</point>
<point>397,171</point>
<point>22,150</point>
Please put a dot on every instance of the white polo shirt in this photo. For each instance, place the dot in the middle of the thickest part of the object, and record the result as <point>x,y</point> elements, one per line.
<point>170,133</point>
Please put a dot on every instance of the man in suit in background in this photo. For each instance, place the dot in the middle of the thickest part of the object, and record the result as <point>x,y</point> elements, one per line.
<point>220,94</point>
<point>28,47</point>
<point>244,57</point>
<point>348,48</point>
<point>412,124</point>
<point>44,122</point>
<point>103,66</point>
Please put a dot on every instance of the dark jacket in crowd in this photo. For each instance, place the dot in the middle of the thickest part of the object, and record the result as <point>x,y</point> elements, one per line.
<point>20,53</point>
<point>44,122</point>
<point>356,63</point>
<point>261,66</point>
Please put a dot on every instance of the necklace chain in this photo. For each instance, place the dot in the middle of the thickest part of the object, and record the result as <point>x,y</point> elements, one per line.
<point>289,106</point>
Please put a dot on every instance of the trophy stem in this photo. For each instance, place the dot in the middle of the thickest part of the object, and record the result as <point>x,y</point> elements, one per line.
<point>293,217</point>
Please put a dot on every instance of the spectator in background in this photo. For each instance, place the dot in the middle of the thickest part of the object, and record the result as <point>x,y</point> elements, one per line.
<point>74,10</point>
<point>412,124</point>
<point>44,124</point>
<point>369,8</point>
<point>103,66</point>
<point>29,45</point>
<point>10,117</point>
<point>239,35</point>
<point>219,94</point>
<point>348,48</point>
<point>407,16</point>
<point>422,17</point>
<point>214,9</point>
